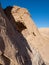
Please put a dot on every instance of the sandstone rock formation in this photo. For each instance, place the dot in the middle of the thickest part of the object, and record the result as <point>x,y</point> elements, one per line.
<point>20,40</point>
<point>31,33</point>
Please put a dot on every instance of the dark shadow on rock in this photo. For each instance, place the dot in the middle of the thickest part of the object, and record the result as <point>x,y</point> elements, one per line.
<point>43,63</point>
<point>18,40</point>
<point>2,45</point>
<point>0,64</point>
<point>6,60</point>
<point>20,26</point>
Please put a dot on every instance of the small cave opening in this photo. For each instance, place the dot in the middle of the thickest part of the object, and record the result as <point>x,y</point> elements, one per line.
<point>20,26</point>
<point>34,34</point>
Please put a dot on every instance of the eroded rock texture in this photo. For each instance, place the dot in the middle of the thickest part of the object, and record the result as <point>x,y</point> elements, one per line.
<point>22,22</point>
<point>16,33</point>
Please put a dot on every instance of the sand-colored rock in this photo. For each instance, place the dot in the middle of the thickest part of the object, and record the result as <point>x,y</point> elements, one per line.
<point>20,16</point>
<point>15,46</point>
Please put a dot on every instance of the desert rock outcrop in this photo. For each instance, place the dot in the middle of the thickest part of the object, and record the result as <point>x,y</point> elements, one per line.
<point>19,17</point>
<point>20,40</point>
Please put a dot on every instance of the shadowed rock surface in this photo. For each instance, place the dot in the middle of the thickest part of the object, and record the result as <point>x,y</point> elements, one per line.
<point>19,38</point>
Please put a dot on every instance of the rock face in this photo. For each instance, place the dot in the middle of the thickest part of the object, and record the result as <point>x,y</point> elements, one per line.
<point>20,39</point>
<point>22,22</point>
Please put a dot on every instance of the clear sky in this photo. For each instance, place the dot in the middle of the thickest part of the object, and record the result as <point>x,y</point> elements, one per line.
<point>39,9</point>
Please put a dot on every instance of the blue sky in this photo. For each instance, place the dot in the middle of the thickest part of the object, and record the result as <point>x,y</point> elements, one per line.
<point>39,9</point>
